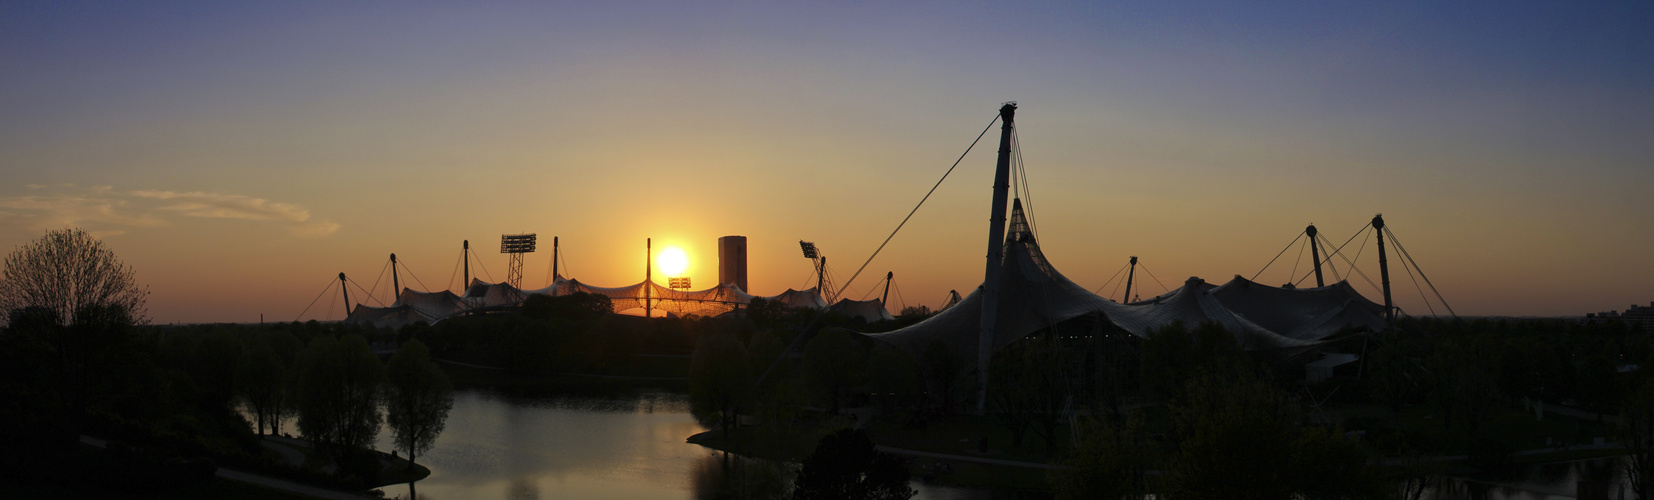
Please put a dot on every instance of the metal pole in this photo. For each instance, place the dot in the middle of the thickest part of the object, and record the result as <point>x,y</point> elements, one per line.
<point>648,275</point>
<point>996,249</point>
<point>554,265</point>
<point>465,255</point>
<point>1315,255</point>
<point>345,289</point>
<point>1129,275</point>
<point>888,275</point>
<point>396,283</point>
<point>1384,270</point>
<point>821,278</point>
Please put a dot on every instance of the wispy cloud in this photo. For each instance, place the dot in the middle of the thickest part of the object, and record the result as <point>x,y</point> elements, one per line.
<point>108,211</point>
<point>226,206</point>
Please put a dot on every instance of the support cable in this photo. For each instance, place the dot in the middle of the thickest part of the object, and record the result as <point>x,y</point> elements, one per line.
<point>1298,260</point>
<point>870,290</point>
<point>332,303</point>
<point>455,274</point>
<point>1277,256</point>
<point>330,282</point>
<point>1421,272</point>
<point>1328,260</point>
<point>817,318</point>
<point>1416,286</point>
<point>484,270</point>
<point>564,258</point>
<point>381,276</point>
<point>1111,278</point>
<point>1027,190</point>
<point>369,293</point>
<point>411,273</point>
<point>1340,253</point>
<point>1151,275</point>
<point>922,201</point>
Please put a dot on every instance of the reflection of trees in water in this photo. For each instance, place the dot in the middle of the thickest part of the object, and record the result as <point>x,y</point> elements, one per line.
<point>595,398</point>
<point>725,476</point>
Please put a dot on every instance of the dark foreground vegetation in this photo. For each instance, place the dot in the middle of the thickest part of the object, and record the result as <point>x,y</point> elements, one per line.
<point>94,403</point>
<point>1184,414</point>
<point>1188,413</point>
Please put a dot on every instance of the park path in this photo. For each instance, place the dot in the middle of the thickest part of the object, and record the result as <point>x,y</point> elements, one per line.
<point>265,481</point>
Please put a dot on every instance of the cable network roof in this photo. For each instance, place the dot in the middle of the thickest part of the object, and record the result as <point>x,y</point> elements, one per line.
<point>413,306</point>
<point>1034,296</point>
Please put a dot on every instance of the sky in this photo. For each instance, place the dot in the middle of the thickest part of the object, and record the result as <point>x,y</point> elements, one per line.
<point>239,155</point>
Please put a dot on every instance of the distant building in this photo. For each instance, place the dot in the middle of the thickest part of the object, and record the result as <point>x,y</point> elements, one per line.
<point>1636,316</point>
<point>732,261</point>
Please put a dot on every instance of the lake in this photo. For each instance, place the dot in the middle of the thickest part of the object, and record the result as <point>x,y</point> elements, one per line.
<point>627,446</point>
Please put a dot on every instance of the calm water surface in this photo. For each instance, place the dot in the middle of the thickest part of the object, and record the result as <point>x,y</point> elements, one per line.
<point>621,447</point>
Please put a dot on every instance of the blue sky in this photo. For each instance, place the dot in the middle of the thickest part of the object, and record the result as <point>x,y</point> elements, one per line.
<point>239,155</point>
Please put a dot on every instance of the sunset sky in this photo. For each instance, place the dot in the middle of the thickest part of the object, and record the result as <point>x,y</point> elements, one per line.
<point>240,156</point>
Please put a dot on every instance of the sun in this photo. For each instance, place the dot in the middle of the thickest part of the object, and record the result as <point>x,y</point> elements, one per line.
<point>673,261</point>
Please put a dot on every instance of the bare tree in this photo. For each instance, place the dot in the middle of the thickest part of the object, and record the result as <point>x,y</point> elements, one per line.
<point>68,299</point>
<point>67,270</point>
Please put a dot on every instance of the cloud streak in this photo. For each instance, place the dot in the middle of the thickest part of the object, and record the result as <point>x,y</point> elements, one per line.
<point>104,210</point>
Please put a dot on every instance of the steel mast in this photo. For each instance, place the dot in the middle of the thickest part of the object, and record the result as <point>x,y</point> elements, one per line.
<point>996,249</point>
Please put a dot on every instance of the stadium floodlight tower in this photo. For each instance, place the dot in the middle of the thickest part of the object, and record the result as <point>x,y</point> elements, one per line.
<point>515,245</point>
<point>814,254</point>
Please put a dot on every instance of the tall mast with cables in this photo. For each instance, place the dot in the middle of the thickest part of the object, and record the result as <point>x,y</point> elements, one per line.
<point>554,266</point>
<point>1384,270</point>
<point>344,287</point>
<point>396,283</point>
<point>1315,254</point>
<point>465,255</point>
<point>996,248</point>
<point>888,275</point>
<point>1129,275</point>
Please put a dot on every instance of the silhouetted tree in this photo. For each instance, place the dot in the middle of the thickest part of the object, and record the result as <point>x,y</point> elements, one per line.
<point>70,307</point>
<point>1109,462</point>
<point>418,398</point>
<point>845,466</point>
<point>1636,432</point>
<point>894,380</point>
<point>1027,389</point>
<point>338,392</point>
<point>66,270</point>
<point>718,380</point>
<point>1173,355</point>
<point>261,381</point>
<point>942,368</point>
<point>1233,436</point>
<point>832,365</point>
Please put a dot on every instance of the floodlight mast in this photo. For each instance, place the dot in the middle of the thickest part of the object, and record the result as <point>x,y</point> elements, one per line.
<point>996,244</point>
<point>515,245</point>
<point>814,254</point>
